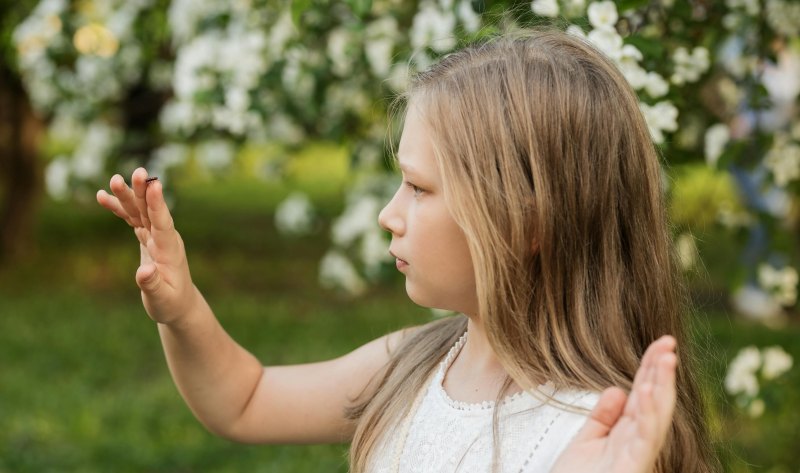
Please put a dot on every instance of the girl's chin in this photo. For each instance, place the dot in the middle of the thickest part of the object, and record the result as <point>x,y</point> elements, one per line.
<point>425,299</point>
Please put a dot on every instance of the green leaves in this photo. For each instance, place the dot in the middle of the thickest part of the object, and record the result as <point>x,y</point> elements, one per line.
<point>298,8</point>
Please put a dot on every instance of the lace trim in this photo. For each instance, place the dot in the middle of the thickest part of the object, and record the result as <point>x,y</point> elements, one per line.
<point>438,386</point>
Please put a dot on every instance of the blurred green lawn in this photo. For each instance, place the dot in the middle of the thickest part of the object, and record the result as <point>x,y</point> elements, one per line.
<point>83,383</point>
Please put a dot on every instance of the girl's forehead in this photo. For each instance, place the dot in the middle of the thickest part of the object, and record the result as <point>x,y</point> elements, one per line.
<point>415,152</point>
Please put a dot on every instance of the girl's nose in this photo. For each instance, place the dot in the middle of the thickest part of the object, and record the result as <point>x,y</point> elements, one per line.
<point>390,220</point>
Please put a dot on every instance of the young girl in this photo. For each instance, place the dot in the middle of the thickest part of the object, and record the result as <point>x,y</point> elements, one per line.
<point>531,204</point>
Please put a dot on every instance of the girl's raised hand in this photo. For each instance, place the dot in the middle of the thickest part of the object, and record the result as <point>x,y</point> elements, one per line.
<point>163,275</point>
<point>625,433</point>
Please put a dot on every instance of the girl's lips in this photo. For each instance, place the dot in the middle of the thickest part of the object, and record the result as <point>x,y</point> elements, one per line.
<point>400,264</point>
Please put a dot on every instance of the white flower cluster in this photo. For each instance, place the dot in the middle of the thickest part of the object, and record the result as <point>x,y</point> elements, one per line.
<point>603,17</point>
<point>73,63</point>
<point>781,283</point>
<point>545,8</point>
<point>108,54</point>
<point>294,215</point>
<point>717,136</point>
<point>87,161</point>
<point>552,9</point>
<point>434,27</point>
<point>740,12</point>
<point>229,60</point>
<point>755,303</point>
<point>784,17</point>
<point>660,117</point>
<point>358,226</point>
<point>167,156</point>
<point>783,160</point>
<point>336,271</point>
<point>689,66</point>
<point>380,38</point>
<point>742,379</point>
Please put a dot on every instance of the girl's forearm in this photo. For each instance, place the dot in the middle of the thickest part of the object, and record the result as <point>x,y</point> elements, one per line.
<point>213,373</point>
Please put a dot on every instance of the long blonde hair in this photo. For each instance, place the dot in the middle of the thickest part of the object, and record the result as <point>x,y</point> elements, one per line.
<point>549,169</point>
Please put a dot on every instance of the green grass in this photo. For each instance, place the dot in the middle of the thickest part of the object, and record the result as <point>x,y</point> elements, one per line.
<point>84,386</point>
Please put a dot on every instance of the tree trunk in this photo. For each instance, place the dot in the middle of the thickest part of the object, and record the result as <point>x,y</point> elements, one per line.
<point>20,171</point>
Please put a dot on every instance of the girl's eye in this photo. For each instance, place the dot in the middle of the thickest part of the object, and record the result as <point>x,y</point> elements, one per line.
<point>417,190</point>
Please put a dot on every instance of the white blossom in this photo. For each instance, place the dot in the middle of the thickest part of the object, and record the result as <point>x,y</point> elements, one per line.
<point>608,41</point>
<point>399,77</point>
<point>433,27</point>
<point>336,271</point>
<point>655,85</point>
<point>689,67</point>
<point>777,201</point>
<point>89,157</point>
<point>781,282</point>
<point>751,7</point>
<point>294,215</point>
<point>755,303</point>
<point>56,178</point>
<point>341,51</point>
<point>660,117</point>
<point>545,8</point>
<point>741,377</point>
<point>280,33</point>
<point>215,154</point>
<point>165,157</point>
<point>776,362</point>
<point>716,137</point>
<point>603,15</point>
<point>374,250</point>
<point>381,36</point>
<point>359,217</point>
<point>469,18</point>
<point>576,30</point>
<point>784,17</point>
<point>783,160</point>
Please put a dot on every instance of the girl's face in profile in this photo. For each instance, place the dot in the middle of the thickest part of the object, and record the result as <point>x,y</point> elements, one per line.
<point>430,248</point>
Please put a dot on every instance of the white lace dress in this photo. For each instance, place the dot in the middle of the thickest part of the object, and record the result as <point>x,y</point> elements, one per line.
<point>447,436</point>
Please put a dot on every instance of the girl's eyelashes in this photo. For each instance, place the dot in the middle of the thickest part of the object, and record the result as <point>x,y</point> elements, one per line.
<point>417,190</point>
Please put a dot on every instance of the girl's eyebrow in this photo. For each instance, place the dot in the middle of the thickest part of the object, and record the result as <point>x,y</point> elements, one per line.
<point>406,168</point>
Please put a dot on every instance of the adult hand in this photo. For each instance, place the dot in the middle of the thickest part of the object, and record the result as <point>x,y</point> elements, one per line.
<point>163,274</point>
<point>625,433</point>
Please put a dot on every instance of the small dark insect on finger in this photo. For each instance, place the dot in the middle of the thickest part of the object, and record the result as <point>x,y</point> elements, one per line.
<point>151,179</point>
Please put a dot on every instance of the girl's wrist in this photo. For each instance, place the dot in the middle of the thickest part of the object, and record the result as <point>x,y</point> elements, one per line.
<point>191,312</point>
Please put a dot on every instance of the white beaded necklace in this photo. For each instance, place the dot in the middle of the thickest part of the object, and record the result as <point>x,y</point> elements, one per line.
<point>406,426</point>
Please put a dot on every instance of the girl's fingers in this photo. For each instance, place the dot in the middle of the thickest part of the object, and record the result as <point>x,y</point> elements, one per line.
<point>604,416</point>
<point>161,225</point>
<point>112,203</point>
<point>139,184</point>
<point>126,198</point>
<point>653,352</point>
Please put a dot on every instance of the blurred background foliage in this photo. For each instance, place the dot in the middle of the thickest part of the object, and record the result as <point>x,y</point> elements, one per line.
<point>267,122</point>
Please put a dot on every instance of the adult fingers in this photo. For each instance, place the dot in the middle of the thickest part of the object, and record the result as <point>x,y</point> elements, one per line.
<point>604,416</point>
<point>126,198</point>
<point>139,184</point>
<point>112,203</point>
